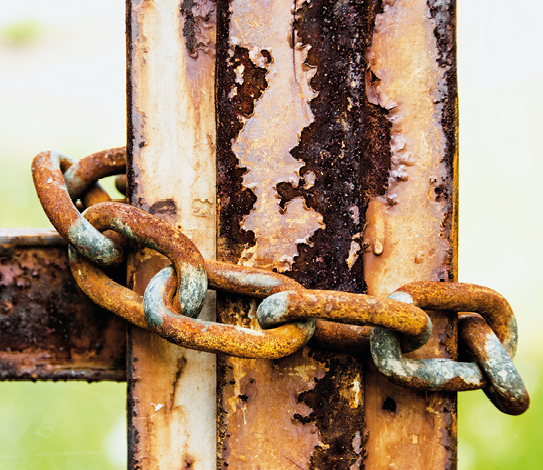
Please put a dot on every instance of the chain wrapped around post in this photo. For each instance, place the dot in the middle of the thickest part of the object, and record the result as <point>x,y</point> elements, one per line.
<point>289,314</point>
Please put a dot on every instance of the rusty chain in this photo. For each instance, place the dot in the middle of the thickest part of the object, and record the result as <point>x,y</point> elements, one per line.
<point>289,315</point>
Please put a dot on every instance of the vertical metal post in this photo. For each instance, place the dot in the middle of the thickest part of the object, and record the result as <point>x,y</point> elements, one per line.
<point>171,142</point>
<point>412,228</point>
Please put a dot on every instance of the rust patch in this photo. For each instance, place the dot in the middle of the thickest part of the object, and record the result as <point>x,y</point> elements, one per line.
<point>250,393</point>
<point>199,18</point>
<point>235,200</point>
<point>337,410</point>
<point>49,329</point>
<point>166,210</point>
<point>345,150</point>
<point>343,147</point>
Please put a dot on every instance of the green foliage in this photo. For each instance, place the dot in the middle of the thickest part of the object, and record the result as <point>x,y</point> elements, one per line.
<point>22,33</point>
<point>490,440</point>
<point>62,426</point>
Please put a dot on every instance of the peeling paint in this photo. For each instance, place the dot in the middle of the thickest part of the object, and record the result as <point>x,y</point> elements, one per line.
<point>409,213</point>
<point>297,204</point>
<point>271,131</point>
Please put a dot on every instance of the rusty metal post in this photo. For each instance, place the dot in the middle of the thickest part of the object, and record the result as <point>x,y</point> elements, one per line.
<point>171,173</point>
<point>336,165</point>
<point>412,228</point>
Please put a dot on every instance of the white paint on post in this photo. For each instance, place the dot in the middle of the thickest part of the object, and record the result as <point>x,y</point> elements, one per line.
<point>174,170</point>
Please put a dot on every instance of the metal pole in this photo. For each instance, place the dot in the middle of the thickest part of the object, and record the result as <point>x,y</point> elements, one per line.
<point>171,145</point>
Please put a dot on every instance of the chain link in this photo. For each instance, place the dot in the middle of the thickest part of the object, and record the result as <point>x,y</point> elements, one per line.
<point>289,314</point>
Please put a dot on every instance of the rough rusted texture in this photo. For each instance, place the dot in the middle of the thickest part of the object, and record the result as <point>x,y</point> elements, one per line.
<point>147,230</point>
<point>251,385</point>
<point>213,337</point>
<point>412,229</point>
<point>49,329</point>
<point>344,307</point>
<point>102,290</point>
<point>171,171</point>
<point>346,147</point>
<point>494,370</point>
<point>461,297</point>
<point>199,18</point>
<point>343,145</point>
<point>243,280</point>
<point>429,374</point>
<point>235,201</point>
<point>47,172</point>
<point>332,335</point>
<point>337,394</point>
<point>506,388</point>
<point>443,13</point>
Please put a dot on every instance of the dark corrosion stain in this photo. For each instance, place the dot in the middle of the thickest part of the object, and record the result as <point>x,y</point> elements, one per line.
<point>181,365</point>
<point>338,422</point>
<point>166,206</point>
<point>198,15</point>
<point>235,99</point>
<point>224,379</point>
<point>133,436</point>
<point>443,13</point>
<point>42,308</point>
<point>346,157</point>
<point>346,149</point>
<point>442,192</point>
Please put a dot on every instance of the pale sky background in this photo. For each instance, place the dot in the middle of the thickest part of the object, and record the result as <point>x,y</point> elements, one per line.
<point>67,91</point>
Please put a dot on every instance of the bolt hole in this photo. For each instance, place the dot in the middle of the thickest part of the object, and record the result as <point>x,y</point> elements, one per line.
<point>389,405</point>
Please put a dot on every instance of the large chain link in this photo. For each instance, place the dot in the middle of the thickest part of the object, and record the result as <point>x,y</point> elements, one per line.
<point>289,314</point>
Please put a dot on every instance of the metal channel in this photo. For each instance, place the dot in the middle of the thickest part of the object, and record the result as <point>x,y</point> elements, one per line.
<point>299,148</point>
<point>336,166</point>
<point>171,174</point>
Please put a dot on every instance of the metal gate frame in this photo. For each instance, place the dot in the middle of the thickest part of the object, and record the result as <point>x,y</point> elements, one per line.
<point>407,110</point>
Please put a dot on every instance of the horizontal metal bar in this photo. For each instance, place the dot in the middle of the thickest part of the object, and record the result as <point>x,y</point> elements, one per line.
<point>49,329</point>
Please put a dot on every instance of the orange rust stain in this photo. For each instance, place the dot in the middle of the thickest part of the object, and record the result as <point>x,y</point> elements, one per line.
<point>405,223</point>
<point>265,428</point>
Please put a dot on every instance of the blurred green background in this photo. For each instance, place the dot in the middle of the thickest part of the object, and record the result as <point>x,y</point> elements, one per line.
<point>62,85</point>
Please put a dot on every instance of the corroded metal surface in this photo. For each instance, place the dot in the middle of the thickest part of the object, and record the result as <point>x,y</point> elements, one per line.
<point>297,139</point>
<point>423,374</point>
<point>49,329</point>
<point>216,337</point>
<point>461,297</point>
<point>171,174</point>
<point>494,370</point>
<point>411,231</point>
<point>86,172</point>
<point>147,230</point>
